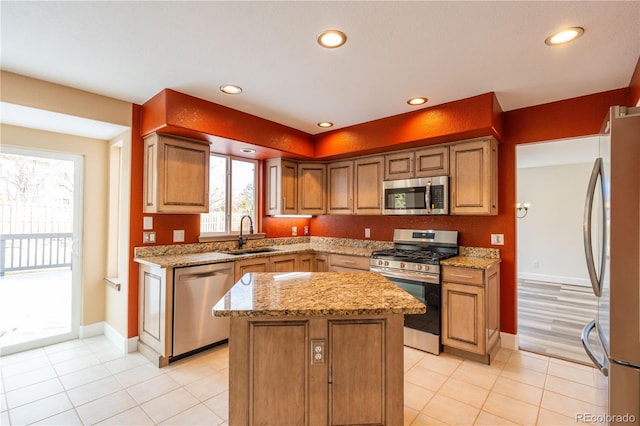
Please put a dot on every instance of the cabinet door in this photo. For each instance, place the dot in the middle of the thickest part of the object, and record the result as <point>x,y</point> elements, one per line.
<point>305,263</point>
<point>176,175</point>
<point>463,317</point>
<point>152,305</point>
<point>320,263</point>
<point>340,187</point>
<point>281,186</point>
<point>432,161</point>
<point>492,291</point>
<point>399,165</point>
<point>357,379</point>
<point>283,263</point>
<point>367,184</point>
<point>474,178</point>
<point>311,188</point>
<point>260,264</point>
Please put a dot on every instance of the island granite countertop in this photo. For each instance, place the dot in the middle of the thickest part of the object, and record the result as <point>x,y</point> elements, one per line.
<point>315,294</point>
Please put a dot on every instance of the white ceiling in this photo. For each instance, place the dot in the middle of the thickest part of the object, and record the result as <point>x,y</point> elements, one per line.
<point>449,50</point>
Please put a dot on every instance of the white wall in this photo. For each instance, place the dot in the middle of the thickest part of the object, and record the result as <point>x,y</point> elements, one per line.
<point>553,176</point>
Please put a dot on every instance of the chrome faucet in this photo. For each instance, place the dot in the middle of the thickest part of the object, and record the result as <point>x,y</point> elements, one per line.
<point>242,241</point>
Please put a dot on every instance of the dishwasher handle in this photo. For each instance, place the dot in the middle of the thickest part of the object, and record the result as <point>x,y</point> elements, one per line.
<point>188,277</point>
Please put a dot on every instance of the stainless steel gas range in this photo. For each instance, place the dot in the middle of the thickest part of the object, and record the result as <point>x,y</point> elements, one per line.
<point>414,264</point>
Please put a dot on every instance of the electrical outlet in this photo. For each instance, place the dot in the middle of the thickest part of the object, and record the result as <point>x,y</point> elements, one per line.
<point>178,236</point>
<point>294,230</point>
<point>497,239</point>
<point>149,237</point>
<point>306,230</point>
<point>367,232</point>
<point>317,351</point>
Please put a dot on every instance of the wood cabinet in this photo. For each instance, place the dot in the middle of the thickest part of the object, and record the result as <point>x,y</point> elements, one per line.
<point>340,187</point>
<point>423,162</point>
<point>471,311</point>
<point>348,263</point>
<point>367,183</point>
<point>283,263</point>
<point>277,379</point>
<point>305,262</point>
<point>256,264</point>
<point>155,312</point>
<point>281,186</point>
<point>474,177</point>
<point>175,175</point>
<point>321,263</point>
<point>311,188</point>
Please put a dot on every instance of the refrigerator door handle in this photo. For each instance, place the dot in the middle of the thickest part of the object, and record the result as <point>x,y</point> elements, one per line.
<point>603,365</point>
<point>596,283</point>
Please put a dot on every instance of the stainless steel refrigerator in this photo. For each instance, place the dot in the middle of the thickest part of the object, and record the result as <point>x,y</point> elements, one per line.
<point>612,241</point>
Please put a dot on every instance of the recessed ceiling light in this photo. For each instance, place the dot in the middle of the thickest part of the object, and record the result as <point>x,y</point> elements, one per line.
<point>247,150</point>
<point>564,36</point>
<point>332,39</point>
<point>417,101</point>
<point>325,124</point>
<point>231,89</point>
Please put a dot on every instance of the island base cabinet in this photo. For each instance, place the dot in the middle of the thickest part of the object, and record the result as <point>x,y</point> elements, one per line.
<point>278,376</point>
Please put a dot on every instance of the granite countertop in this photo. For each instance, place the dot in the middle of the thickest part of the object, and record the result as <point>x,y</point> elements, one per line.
<point>315,293</point>
<point>470,262</point>
<point>204,253</point>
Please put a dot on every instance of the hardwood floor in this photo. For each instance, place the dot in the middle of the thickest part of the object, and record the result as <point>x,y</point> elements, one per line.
<point>551,317</point>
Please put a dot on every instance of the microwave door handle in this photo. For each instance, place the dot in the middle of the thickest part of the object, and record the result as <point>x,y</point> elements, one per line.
<point>427,197</point>
<point>586,227</point>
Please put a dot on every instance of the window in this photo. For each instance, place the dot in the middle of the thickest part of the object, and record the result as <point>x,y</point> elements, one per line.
<point>232,194</point>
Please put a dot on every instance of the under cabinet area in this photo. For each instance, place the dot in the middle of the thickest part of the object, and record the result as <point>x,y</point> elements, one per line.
<point>176,175</point>
<point>474,178</point>
<point>471,311</point>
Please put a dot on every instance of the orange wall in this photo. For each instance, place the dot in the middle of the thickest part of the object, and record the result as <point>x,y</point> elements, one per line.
<point>569,118</point>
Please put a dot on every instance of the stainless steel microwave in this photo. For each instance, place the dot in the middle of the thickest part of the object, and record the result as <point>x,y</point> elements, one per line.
<point>419,196</point>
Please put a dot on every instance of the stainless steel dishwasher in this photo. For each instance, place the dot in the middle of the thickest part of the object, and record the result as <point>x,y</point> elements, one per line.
<point>196,290</point>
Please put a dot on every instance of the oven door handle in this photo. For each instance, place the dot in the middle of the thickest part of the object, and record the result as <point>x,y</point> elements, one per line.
<point>411,276</point>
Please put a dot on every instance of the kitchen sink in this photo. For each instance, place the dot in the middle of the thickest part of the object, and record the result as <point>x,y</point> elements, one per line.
<point>249,250</point>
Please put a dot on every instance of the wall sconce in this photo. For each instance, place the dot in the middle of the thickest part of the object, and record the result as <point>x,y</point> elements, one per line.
<point>520,208</point>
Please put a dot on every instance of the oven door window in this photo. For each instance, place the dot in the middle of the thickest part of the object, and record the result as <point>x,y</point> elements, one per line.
<point>427,293</point>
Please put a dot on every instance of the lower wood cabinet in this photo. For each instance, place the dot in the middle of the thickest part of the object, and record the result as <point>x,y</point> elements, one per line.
<point>356,380</point>
<point>283,263</point>
<point>257,264</point>
<point>471,311</point>
<point>321,263</point>
<point>348,263</point>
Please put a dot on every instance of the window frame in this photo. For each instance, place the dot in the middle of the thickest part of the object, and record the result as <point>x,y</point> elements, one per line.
<point>228,196</point>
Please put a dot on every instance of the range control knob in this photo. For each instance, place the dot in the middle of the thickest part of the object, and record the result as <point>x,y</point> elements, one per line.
<point>419,267</point>
<point>402,265</point>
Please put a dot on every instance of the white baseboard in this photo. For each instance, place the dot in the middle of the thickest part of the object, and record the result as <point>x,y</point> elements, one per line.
<point>122,343</point>
<point>584,282</point>
<point>509,341</point>
<point>91,330</point>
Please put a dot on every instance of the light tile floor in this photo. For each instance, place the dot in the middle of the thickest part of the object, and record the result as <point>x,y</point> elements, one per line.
<point>89,382</point>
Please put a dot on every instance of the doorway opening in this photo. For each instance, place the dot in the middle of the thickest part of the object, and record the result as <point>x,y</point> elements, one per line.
<point>555,299</point>
<point>40,222</point>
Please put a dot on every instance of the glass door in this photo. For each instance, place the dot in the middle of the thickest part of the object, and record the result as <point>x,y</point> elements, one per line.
<point>40,206</point>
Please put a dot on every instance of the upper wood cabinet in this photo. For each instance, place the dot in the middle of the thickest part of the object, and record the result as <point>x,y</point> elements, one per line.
<point>311,188</point>
<point>176,175</point>
<point>367,183</point>
<point>432,161</point>
<point>340,187</point>
<point>281,186</point>
<point>474,178</point>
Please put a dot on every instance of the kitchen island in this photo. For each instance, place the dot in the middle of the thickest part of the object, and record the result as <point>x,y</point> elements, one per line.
<point>316,348</point>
